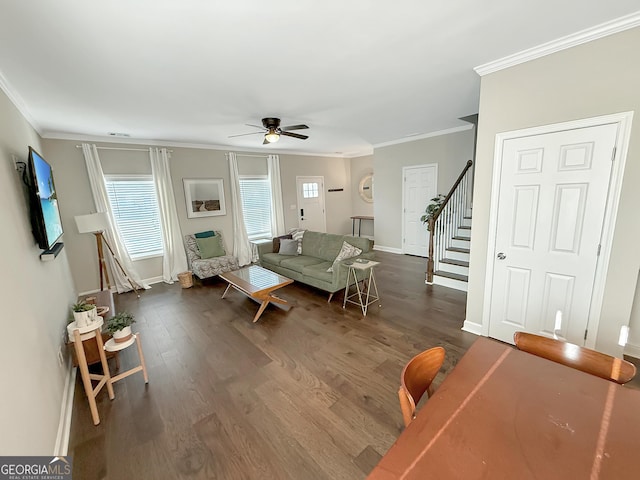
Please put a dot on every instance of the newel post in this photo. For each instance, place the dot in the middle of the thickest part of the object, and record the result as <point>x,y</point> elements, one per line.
<point>430,264</point>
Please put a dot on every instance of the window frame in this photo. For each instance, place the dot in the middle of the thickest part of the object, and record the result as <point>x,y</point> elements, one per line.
<point>262,235</point>
<point>136,177</point>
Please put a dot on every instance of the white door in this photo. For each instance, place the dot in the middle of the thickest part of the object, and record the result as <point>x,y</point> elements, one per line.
<point>311,203</point>
<point>552,200</point>
<point>418,188</point>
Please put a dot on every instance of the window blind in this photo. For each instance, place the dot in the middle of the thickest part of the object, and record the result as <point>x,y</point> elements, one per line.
<point>135,209</point>
<point>256,206</point>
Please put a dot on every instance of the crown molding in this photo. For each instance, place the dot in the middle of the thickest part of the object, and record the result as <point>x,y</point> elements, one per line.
<point>583,36</point>
<point>18,102</point>
<point>203,146</point>
<point>422,136</point>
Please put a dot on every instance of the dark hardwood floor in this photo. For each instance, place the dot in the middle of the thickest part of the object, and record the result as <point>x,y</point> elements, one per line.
<point>306,394</point>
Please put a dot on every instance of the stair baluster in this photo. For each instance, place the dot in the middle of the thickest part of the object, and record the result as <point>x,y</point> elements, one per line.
<point>447,220</point>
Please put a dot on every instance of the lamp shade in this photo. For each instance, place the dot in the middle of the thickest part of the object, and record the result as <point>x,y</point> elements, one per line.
<point>94,222</point>
<point>272,136</point>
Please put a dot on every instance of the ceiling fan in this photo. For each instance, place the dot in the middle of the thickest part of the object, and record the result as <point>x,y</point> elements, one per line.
<point>272,130</point>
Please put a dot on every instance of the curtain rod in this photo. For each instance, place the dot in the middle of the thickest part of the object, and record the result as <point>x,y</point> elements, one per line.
<point>124,149</point>
<point>247,155</point>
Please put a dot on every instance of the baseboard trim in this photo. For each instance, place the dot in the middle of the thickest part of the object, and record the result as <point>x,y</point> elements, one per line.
<point>152,280</point>
<point>148,281</point>
<point>89,292</point>
<point>472,327</point>
<point>382,248</point>
<point>632,350</point>
<point>66,413</point>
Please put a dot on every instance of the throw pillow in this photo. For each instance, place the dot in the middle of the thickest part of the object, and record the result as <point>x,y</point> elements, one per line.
<point>347,251</point>
<point>210,247</point>
<point>276,242</point>
<point>288,247</point>
<point>207,234</point>
<point>297,235</point>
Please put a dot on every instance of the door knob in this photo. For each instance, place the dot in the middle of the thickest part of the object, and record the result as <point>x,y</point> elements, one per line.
<point>501,256</point>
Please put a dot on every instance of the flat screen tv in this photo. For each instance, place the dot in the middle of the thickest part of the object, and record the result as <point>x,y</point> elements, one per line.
<point>45,214</point>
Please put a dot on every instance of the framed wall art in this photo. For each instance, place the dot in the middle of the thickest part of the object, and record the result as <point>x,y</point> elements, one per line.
<point>204,197</point>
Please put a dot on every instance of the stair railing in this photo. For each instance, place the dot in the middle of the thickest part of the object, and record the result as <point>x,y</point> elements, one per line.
<point>444,223</point>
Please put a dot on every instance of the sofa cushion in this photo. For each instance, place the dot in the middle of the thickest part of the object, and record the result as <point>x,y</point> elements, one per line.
<point>299,262</point>
<point>347,251</point>
<point>363,243</point>
<point>214,266</point>
<point>273,258</point>
<point>322,245</point>
<point>207,234</point>
<point>298,235</point>
<point>210,247</point>
<point>319,271</point>
<point>276,242</point>
<point>288,247</point>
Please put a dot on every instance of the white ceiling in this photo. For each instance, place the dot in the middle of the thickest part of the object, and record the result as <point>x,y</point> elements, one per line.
<point>359,73</point>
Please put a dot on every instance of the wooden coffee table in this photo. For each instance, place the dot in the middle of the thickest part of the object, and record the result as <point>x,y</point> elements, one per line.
<point>257,283</point>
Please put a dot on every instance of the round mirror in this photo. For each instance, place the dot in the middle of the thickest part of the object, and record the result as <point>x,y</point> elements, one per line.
<point>366,188</point>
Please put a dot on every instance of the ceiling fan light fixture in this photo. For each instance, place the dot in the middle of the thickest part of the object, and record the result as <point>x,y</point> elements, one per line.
<point>272,136</point>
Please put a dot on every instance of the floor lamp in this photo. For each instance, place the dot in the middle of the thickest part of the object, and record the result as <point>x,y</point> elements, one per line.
<point>96,223</point>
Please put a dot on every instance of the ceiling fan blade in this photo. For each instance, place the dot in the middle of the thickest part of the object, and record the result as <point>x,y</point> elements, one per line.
<point>294,127</point>
<point>295,135</point>
<point>265,142</point>
<point>255,126</point>
<point>243,134</point>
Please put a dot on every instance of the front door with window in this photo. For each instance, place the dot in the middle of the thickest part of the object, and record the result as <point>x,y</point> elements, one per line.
<point>311,203</point>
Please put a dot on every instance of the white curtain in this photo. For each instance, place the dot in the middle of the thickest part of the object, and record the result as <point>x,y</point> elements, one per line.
<point>241,245</point>
<point>99,190</point>
<point>277,209</point>
<point>174,259</point>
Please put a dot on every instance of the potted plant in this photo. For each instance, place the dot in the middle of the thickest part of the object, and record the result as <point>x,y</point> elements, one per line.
<point>83,313</point>
<point>120,326</point>
<point>432,208</point>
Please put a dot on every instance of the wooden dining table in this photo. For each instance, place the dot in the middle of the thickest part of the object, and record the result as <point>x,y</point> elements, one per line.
<point>506,414</point>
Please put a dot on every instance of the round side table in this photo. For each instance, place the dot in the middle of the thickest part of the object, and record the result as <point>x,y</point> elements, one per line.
<point>112,346</point>
<point>77,335</point>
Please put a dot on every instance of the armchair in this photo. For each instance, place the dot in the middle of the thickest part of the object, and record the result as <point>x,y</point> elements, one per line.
<point>208,267</point>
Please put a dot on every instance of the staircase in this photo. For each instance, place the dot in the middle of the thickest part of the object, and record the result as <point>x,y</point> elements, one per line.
<point>453,271</point>
<point>450,236</point>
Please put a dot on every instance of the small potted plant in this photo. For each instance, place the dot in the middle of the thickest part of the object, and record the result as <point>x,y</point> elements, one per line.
<point>83,313</point>
<point>432,209</point>
<point>120,326</point>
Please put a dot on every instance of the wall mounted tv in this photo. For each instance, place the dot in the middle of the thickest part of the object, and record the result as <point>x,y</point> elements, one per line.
<point>45,214</point>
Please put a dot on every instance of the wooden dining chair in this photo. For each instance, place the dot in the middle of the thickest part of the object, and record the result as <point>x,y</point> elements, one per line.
<point>416,379</point>
<point>574,356</point>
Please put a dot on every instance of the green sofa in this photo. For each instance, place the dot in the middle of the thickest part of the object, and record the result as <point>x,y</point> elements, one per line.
<point>319,250</point>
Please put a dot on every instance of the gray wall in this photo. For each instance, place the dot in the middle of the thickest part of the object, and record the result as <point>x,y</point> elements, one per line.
<point>73,184</point>
<point>36,297</point>
<point>361,166</point>
<point>597,78</point>
<point>202,163</point>
<point>336,173</point>
<point>450,152</point>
